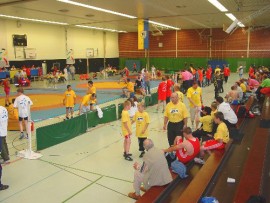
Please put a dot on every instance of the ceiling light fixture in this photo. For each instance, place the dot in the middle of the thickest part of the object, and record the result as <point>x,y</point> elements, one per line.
<point>218,5</point>
<point>100,28</point>
<point>163,25</point>
<point>233,18</point>
<point>96,8</point>
<point>32,19</point>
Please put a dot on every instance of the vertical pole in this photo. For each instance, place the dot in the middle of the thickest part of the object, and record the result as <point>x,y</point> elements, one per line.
<point>210,44</point>
<point>248,43</point>
<point>104,48</point>
<point>29,130</point>
<point>176,44</point>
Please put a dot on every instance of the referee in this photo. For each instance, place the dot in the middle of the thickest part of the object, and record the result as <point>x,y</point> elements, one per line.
<point>175,116</point>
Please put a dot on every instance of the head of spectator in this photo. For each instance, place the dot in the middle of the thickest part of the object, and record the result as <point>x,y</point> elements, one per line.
<point>176,87</point>
<point>219,100</point>
<point>218,117</point>
<point>195,85</point>
<point>174,98</point>
<point>127,105</point>
<point>187,132</point>
<point>69,87</point>
<point>207,111</point>
<point>90,83</point>
<point>140,107</point>
<point>148,144</point>
<point>163,78</point>
<point>233,87</point>
<point>20,91</point>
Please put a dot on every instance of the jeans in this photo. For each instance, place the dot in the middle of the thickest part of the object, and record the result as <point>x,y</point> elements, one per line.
<point>147,87</point>
<point>4,152</point>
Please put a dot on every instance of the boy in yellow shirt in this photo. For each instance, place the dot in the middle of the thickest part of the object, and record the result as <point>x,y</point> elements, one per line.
<point>221,137</point>
<point>142,121</point>
<point>126,130</point>
<point>69,101</point>
<point>85,104</point>
<point>179,93</point>
<point>93,101</point>
<point>128,91</point>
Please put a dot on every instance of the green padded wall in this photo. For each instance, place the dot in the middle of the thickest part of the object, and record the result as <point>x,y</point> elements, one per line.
<point>92,119</point>
<point>109,114</point>
<point>147,101</point>
<point>60,132</point>
<point>154,98</point>
<point>120,109</point>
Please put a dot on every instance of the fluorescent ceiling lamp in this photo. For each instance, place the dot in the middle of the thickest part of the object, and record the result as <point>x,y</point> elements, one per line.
<point>99,28</point>
<point>32,19</point>
<point>233,18</point>
<point>96,8</point>
<point>163,25</point>
<point>218,5</point>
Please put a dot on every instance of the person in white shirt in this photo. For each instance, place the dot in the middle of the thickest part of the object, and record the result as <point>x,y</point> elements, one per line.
<point>230,118</point>
<point>133,109</point>
<point>23,103</point>
<point>66,73</point>
<point>153,70</point>
<point>3,133</point>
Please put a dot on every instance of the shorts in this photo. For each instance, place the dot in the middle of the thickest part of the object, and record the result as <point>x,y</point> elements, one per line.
<point>195,112</point>
<point>69,108</point>
<point>24,118</point>
<point>162,96</point>
<point>85,109</point>
<point>7,91</point>
<point>127,137</point>
<point>213,144</point>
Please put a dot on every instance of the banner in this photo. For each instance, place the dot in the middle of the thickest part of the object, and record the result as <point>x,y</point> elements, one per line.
<point>3,58</point>
<point>143,34</point>
<point>70,57</point>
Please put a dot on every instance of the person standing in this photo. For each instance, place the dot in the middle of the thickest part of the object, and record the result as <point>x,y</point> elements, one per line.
<point>69,101</point>
<point>142,121</point>
<point>175,118</point>
<point>226,72</point>
<point>2,187</point>
<point>3,133</point>
<point>66,73</point>
<point>208,75</point>
<point>23,103</point>
<point>240,71</point>
<point>169,85</point>
<point>72,71</point>
<point>162,88</point>
<point>126,130</point>
<point>194,95</point>
<point>134,68</point>
<point>91,89</point>
<point>153,71</point>
<point>153,171</point>
<point>6,85</point>
<point>85,104</point>
<point>147,78</point>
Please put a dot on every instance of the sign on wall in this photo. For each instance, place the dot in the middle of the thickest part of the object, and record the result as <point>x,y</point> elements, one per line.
<point>30,53</point>
<point>19,52</point>
<point>89,53</point>
<point>143,34</point>
<point>3,58</point>
<point>70,57</point>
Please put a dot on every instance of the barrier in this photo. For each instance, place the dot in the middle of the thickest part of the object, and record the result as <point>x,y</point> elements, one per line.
<point>120,109</point>
<point>109,114</point>
<point>92,119</point>
<point>154,98</point>
<point>60,132</point>
<point>147,101</point>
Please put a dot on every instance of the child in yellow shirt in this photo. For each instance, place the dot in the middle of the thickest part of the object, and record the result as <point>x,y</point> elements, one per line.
<point>126,130</point>
<point>142,121</point>
<point>69,101</point>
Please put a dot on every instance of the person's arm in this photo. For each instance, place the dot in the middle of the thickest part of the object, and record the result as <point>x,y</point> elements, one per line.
<point>174,148</point>
<point>64,101</point>
<point>185,122</point>
<point>165,122</point>
<point>127,128</point>
<point>191,101</point>
<point>80,109</point>
<point>145,128</point>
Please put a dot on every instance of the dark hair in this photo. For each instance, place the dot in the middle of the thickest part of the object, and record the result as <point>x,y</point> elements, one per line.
<point>128,80</point>
<point>93,95</point>
<point>219,115</point>
<point>68,86</point>
<point>208,110</point>
<point>219,100</point>
<point>13,100</point>
<point>90,82</point>
<point>187,130</point>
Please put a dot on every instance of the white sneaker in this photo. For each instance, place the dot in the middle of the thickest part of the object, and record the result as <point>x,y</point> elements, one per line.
<point>199,161</point>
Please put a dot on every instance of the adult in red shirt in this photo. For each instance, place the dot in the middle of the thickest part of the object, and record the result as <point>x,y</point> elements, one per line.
<point>227,73</point>
<point>162,93</point>
<point>28,73</point>
<point>208,75</point>
<point>200,79</point>
<point>170,83</point>
<point>186,150</point>
<point>251,71</point>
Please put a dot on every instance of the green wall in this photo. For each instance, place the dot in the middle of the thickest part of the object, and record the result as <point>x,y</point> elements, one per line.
<point>178,63</point>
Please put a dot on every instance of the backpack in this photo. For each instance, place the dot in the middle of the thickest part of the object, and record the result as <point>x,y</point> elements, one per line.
<point>241,111</point>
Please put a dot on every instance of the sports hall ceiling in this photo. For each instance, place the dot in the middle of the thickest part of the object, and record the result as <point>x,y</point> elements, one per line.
<point>184,14</point>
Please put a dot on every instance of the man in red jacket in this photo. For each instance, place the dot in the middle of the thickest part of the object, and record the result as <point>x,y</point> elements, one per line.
<point>226,72</point>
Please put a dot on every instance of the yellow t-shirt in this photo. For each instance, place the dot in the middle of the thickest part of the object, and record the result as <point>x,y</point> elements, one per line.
<point>141,120</point>
<point>92,90</point>
<point>93,101</point>
<point>217,70</point>
<point>243,87</point>
<point>69,98</point>
<point>12,112</point>
<point>222,133</point>
<point>213,113</point>
<point>180,96</point>
<point>86,99</point>
<point>130,87</point>
<point>207,122</point>
<point>176,112</point>
<point>195,95</point>
<point>125,119</point>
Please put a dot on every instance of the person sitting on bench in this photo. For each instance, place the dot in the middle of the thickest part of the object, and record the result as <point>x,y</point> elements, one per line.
<point>233,96</point>
<point>221,137</point>
<point>207,125</point>
<point>230,118</point>
<point>186,150</point>
<point>154,170</point>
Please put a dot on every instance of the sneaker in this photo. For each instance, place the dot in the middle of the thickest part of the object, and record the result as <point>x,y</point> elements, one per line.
<point>21,136</point>
<point>141,155</point>
<point>128,158</point>
<point>134,196</point>
<point>26,137</point>
<point>4,187</point>
<point>199,161</point>
<point>124,155</point>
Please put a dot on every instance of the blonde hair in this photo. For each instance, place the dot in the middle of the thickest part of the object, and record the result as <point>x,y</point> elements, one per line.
<point>214,105</point>
<point>127,103</point>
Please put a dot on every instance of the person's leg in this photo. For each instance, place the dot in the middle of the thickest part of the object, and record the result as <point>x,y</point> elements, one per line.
<point>4,152</point>
<point>138,179</point>
<point>21,128</point>
<point>192,116</point>
<point>168,100</point>
<point>71,111</point>
<point>26,126</point>
<point>141,148</point>
<point>197,117</point>
<point>158,104</point>
<point>67,112</point>
<point>170,134</point>
<point>163,105</point>
<point>127,142</point>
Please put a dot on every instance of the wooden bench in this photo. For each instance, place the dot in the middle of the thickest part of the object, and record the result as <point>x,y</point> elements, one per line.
<point>265,117</point>
<point>252,174</point>
<point>196,188</point>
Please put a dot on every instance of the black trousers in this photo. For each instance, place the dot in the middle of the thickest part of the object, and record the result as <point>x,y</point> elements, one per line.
<point>226,78</point>
<point>141,140</point>
<point>201,134</point>
<point>174,129</point>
